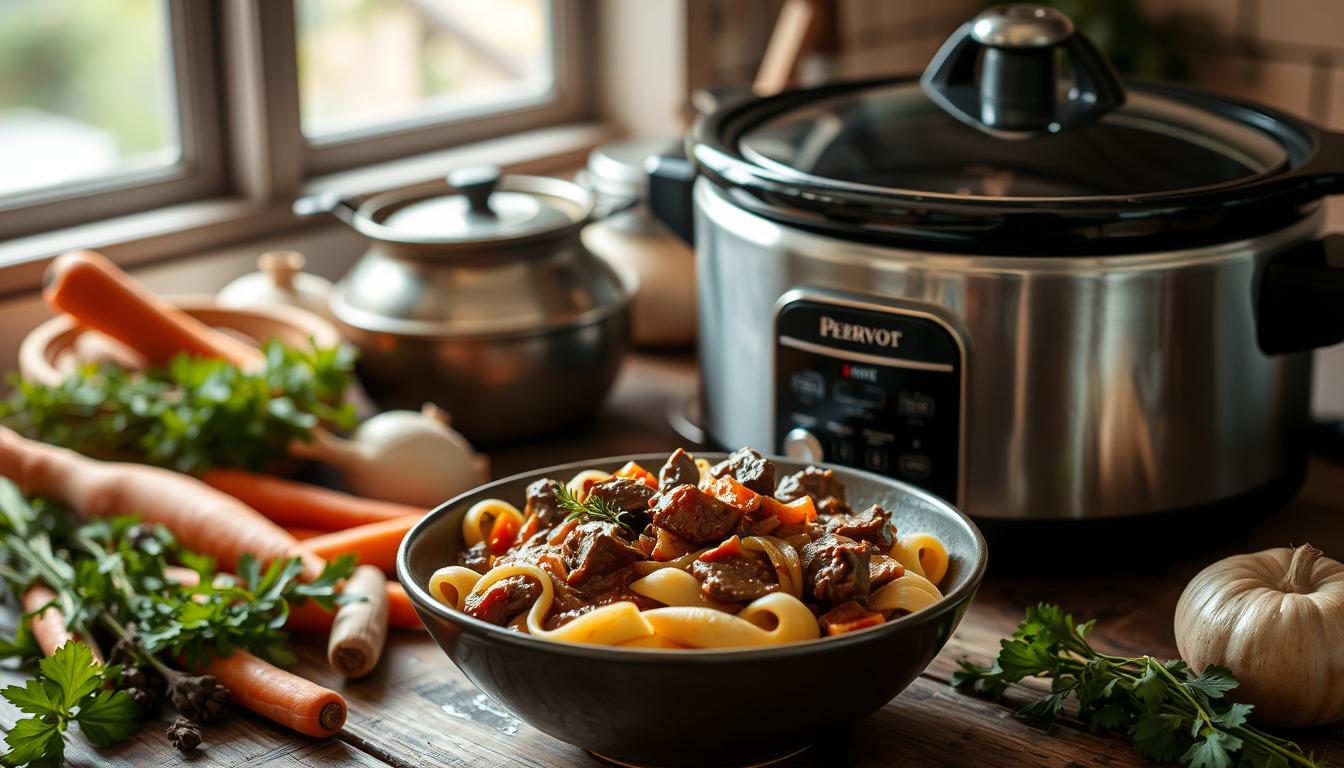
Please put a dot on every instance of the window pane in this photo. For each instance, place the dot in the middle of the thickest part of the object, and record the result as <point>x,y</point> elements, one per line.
<point>375,63</point>
<point>86,91</point>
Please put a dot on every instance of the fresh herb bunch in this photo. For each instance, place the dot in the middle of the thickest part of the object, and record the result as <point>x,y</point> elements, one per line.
<point>193,413</point>
<point>1171,713</point>
<point>69,687</point>
<point>594,507</point>
<point>111,574</point>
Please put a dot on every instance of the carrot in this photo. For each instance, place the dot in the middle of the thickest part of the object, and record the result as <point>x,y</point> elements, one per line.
<point>400,611</point>
<point>203,519</point>
<point>303,534</point>
<point>277,695</point>
<point>306,506</point>
<point>85,285</point>
<point>796,511</point>
<point>728,490</point>
<point>633,471</point>
<point>48,627</point>
<point>373,544</point>
<point>310,617</point>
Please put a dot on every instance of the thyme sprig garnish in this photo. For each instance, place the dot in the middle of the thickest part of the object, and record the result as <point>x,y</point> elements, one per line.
<point>1172,714</point>
<point>592,508</point>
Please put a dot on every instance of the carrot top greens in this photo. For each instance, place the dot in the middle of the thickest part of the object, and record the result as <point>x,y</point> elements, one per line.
<point>193,413</point>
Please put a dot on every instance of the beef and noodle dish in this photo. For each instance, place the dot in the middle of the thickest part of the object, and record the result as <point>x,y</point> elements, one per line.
<point>726,555</point>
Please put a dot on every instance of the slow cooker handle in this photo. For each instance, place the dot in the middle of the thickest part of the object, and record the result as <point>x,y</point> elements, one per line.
<point>1300,295</point>
<point>1013,93</point>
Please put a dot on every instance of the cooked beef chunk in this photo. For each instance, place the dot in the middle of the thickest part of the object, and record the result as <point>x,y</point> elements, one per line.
<point>734,579</point>
<point>882,569</point>
<point>826,490</point>
<point>758,526</point>
<point>749,468</point>
<point>872,525</point>
<point>680,469</point>
<point>572,602</point>
<point>836,568</point>
<point>504,599</point>
<point>629,495</point>
<point>542,502</point>
<point>694,516</point>
<point>475,558</point>
<point>596,548</point>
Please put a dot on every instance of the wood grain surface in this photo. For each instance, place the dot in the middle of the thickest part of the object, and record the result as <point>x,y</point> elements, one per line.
<point>418,710</point>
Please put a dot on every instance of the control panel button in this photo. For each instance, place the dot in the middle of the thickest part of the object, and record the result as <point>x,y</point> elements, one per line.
<point>915,404</point>
<point>876,459</point>
<point>844,451</point>
<point>915,466</point>
<point>808,384</point>
<point>802,445</point>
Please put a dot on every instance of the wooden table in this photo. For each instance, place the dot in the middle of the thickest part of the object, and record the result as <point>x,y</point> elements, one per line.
<point>417,709</point>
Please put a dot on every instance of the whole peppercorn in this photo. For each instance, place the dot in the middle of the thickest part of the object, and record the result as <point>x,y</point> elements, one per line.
<point>199,697</point>
<point>184,734</point>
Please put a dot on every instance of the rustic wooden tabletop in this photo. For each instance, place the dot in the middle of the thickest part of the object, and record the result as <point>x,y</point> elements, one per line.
<point>418,710</point>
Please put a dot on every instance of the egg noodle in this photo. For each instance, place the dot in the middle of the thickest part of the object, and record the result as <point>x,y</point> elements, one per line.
<point>687,618</point>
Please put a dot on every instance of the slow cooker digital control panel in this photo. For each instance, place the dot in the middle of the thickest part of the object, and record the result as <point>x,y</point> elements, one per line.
<point>870,385</point>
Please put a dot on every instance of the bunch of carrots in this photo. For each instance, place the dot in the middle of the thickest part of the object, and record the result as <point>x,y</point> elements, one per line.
<point>224,514</point>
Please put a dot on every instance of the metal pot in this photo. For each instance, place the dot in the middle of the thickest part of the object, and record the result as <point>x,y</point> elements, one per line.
<point>482,299</point>
<point>1038,298</point>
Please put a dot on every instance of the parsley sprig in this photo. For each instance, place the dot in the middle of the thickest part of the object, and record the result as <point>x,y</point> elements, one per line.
<point>111,575</point>
<point>70,687</point>
<point>593,507</point>
<point>193,413</point>
<point>1172,714</point>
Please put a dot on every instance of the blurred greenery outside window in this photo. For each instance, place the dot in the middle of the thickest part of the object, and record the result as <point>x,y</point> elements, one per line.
<point>90,89</point>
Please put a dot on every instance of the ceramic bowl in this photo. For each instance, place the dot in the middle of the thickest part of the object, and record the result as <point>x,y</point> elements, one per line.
<point>696,707</point>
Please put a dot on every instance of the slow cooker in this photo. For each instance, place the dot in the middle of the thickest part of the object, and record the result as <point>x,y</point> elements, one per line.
<point>1028,287</point>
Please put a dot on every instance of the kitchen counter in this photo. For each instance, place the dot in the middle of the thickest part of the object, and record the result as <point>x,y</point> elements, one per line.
<point>417,709</point>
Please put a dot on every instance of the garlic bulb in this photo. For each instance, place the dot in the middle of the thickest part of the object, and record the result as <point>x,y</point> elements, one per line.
<point>280,280</point>
<point>410,457</point>
<point>1276,620</point>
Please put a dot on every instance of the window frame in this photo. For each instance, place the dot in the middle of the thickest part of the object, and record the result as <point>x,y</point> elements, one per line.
<point>236,89</point>
<point>199,171</point>
<point>567,99</point>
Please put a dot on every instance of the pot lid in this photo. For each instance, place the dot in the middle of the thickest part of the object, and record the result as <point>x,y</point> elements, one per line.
<point>1018,138</point>
<point>483,207</point>
<point>895,138</point>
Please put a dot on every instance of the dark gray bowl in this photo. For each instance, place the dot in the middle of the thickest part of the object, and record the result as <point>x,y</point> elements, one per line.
<point>696,707</point>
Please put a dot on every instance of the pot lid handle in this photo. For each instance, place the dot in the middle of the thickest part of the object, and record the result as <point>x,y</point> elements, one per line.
<point>1016,92</point>
<point>476,184</point>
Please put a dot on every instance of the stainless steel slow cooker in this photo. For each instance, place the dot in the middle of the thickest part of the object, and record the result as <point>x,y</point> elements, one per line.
<point>1038,295</point>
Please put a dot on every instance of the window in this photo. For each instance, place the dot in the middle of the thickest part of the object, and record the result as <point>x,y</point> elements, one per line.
<point>100,109</point>
<point>114,106</point>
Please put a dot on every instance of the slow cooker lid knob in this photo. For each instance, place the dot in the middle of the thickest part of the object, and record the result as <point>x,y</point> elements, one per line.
<point>999,73</point>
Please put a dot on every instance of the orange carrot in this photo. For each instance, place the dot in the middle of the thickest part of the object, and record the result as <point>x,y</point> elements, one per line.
<point>307,506</point>
<point>310,617</point>
<point>203,519</point>
<point>633,471</point>
<point>373,544</point>
<point>304,533</point>
<point>48,627</point>
<point>728,490</point>
<point>796,511</point>
<point>277,695</point>
<point>400,610</point>
<point>85,285</point>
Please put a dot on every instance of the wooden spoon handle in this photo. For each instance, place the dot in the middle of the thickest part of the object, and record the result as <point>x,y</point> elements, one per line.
<point>93,290</point>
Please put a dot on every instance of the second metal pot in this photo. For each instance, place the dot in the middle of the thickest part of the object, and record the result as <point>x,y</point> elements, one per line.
<point>484,301</point>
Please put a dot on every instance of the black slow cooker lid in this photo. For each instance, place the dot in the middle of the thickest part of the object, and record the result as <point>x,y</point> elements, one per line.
<point>892,139</point>
<point>1018,138</point>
